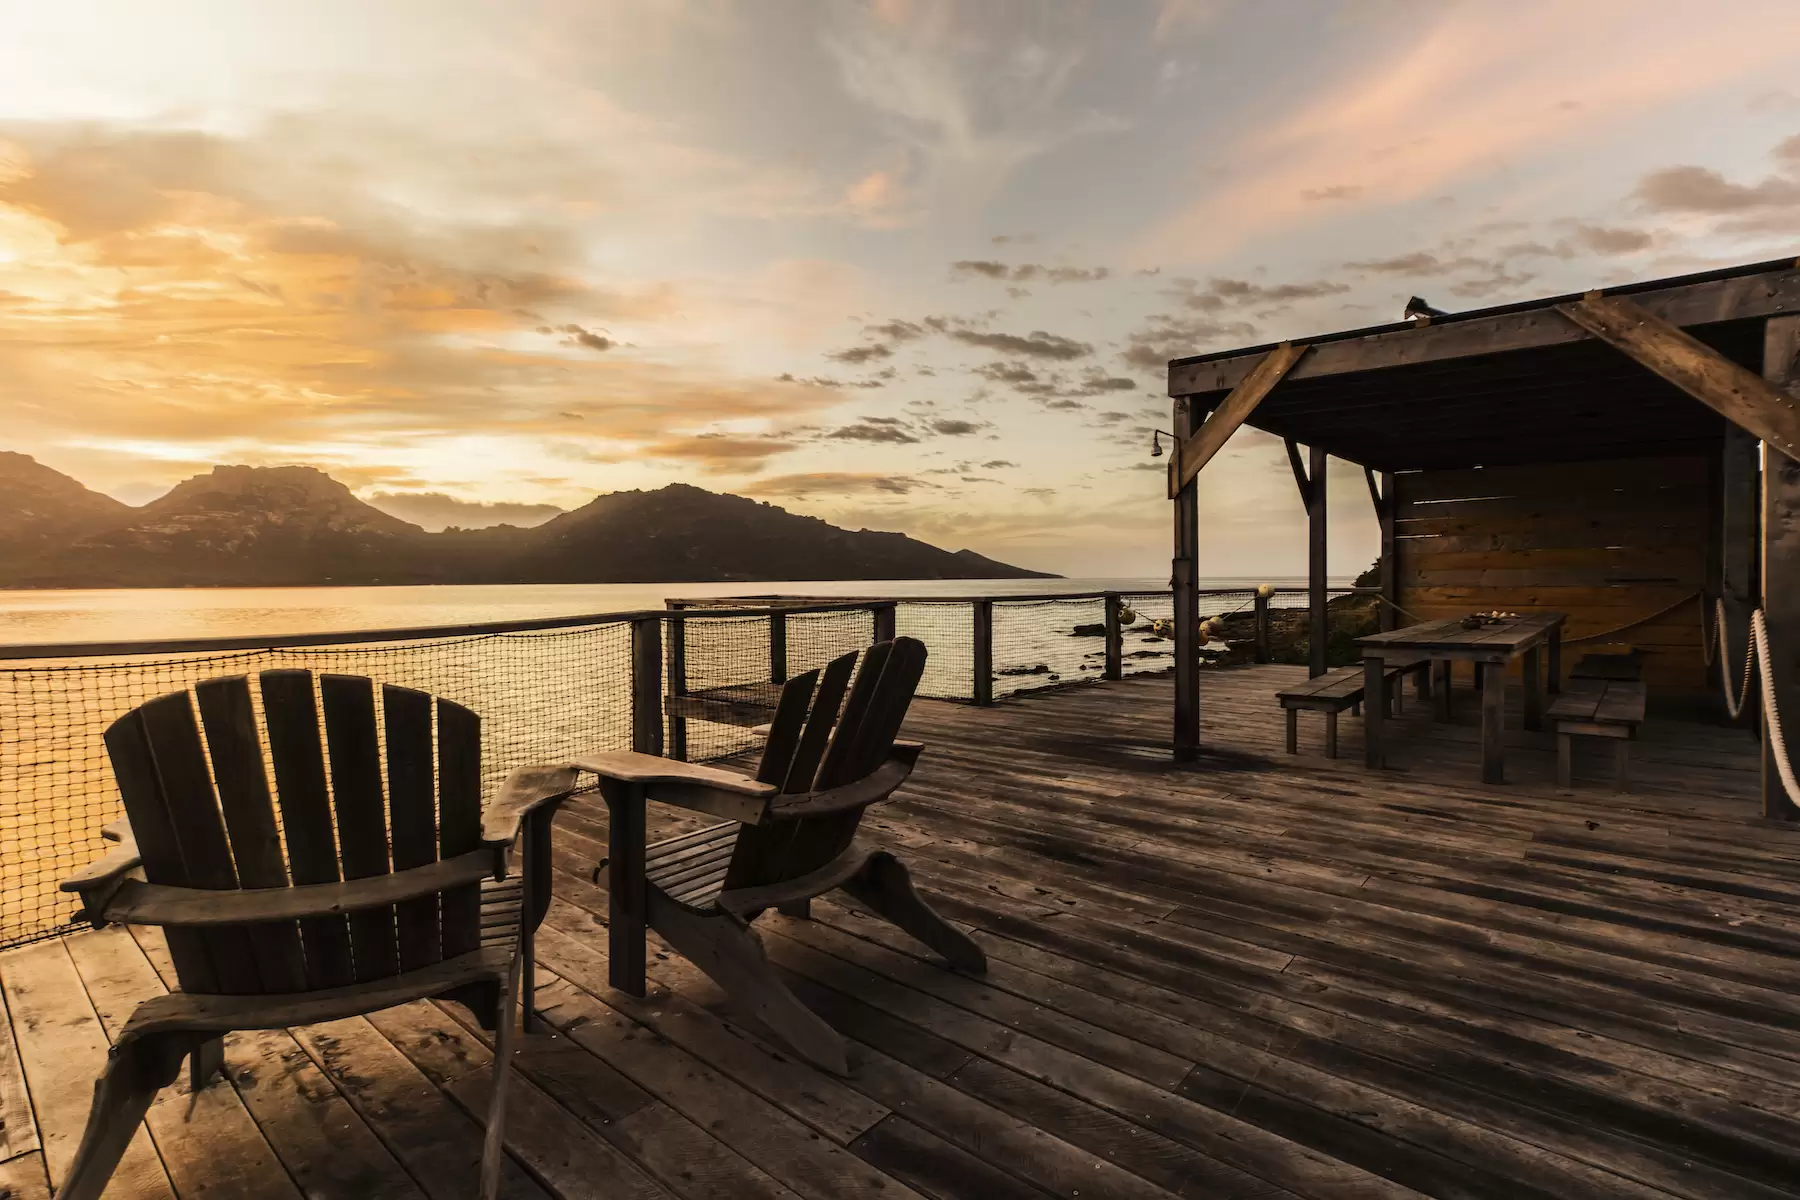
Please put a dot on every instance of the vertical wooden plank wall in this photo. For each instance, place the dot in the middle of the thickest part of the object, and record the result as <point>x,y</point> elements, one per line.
<point>1781,566</point>
<point>1609,543</point>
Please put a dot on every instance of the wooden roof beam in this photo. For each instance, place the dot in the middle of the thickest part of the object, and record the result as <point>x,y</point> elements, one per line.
<point>1216,430</point>
<point>1763,294</point>
<point>1739,395</point>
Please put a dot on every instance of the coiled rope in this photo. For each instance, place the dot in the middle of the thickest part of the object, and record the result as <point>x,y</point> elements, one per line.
<point>1755,658</point>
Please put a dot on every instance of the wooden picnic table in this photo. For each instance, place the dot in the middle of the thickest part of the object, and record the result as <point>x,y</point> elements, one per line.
<point>1493,646</point>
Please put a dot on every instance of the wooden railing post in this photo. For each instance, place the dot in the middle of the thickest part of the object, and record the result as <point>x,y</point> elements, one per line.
<point>984,652</point>
<point>778,669</point>
<point>646,685</point>
<point>884,621</point>
<point>1115,638</point>
<point>1262,626</point>
<point>677,659</point>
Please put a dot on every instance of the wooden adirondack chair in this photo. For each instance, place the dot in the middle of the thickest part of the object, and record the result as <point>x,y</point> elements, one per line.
<point>792,836</point>
<point>273,925</point>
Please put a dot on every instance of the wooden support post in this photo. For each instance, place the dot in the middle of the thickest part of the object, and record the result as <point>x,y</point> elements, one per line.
<point>1318,616</point>
<point>1781,567</point>
<point>1493,722</point>
<point>984,652</point>
<point>646,685</point>
<point>1262,626</point>
<point>1184,583</point>
<point>1383,496</point>
<point>884,622</point>
<point>1740,485</point>
<point>1115,638</point>
<point>626,890</point>
<point>677,658</point>
<point>778,671</point>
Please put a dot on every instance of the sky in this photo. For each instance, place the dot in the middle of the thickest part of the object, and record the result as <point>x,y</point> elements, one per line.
<point>901,264</point>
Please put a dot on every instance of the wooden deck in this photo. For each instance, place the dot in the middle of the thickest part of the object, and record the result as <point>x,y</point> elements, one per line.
<point>1259,976</point>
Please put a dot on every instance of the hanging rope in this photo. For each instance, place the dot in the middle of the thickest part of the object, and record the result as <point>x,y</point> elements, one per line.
<point>1718,650</point>
<point>1644,620</point>
<point>1756,658</point>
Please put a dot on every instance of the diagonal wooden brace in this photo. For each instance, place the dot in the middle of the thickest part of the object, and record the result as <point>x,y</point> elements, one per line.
<point>1200,446</point>
<point>1739,395</point>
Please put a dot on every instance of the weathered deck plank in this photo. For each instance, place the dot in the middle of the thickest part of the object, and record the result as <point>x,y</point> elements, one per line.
<point>1261,975</point>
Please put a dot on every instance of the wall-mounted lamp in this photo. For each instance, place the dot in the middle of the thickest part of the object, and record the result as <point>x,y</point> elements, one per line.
<point>1156,436</point>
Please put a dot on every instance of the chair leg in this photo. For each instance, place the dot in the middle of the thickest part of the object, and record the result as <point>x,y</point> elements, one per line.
<point>885,886</point>
<point>1621,765</point>
<point>205,1063</point>
<point>493,1147</point>
<point>732,955</point>
<point>1293,730</point>
<point>135,1071</point>
<point>1565,760</point>
<point>800,910</point>
<point>1331,735</point>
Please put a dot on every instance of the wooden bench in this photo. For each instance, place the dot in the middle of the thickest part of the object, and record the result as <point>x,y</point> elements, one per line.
<point>1607,708</point>
<point>1335,691</point>
<point>1627,667</point>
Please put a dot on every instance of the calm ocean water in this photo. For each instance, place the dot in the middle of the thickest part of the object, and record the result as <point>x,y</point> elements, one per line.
<point>157,613</point>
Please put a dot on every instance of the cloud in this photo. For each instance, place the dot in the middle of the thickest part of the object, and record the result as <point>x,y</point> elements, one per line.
<point>1036,344</point>
<point>897,330</point>
<point>436,510</point>
<point>826,381</point>
<point>1703,190</point>
<point>1603,239</point>
<point>862,354</point>
<point>720,453</point>
<point>874,429</point>
<point>997,464</point>
<point>205,297</point>
<point>1027,272</point>
<point>1337,191</point>
<point>833,483</point>
<point>1419,262</point>
<point>956,428</point>
<point>1165,336</point>
<point>1449,95</point>
<point>579,337</point>
<point>1220,293</point>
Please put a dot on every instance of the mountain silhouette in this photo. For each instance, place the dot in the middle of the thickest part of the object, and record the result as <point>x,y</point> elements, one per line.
<point>297,526</point>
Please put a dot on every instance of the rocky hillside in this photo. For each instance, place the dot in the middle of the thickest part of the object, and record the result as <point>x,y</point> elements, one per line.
<point>296,526</point>
<point>41,508</point>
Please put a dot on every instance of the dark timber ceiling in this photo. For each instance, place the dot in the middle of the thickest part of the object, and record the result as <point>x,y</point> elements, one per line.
<point>1569,402</point>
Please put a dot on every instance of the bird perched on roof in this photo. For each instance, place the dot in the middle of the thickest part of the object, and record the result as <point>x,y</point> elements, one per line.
<point>1416,307</point>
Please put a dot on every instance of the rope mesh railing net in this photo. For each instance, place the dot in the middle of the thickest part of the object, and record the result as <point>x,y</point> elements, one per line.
<point>732,658</point>
<point>541,696</point>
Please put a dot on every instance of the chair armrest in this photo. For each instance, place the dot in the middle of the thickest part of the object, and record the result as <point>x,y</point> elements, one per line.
<point>106,872</point>
<point>685,785</point>
<point>877,785</point>
<point>137,903</point>
<point>525,790</point>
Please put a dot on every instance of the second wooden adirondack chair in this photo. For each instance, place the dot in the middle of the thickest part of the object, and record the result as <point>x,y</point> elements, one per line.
<point>791,836</point>
<point>342,905</point>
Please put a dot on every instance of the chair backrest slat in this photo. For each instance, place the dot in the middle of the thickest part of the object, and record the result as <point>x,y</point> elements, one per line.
<point>297,752</point>
<point>785,730</point>
<point>412,815</point>
<point>862,691</point>
<point>819,724</point>
<point>354,754</point>
<point>134,767</point>
<point>194,818</point>
<point>231,739</point>
<point>459,819</point>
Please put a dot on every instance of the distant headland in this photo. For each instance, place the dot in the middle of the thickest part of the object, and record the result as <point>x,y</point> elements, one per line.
<point>298,527</point>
